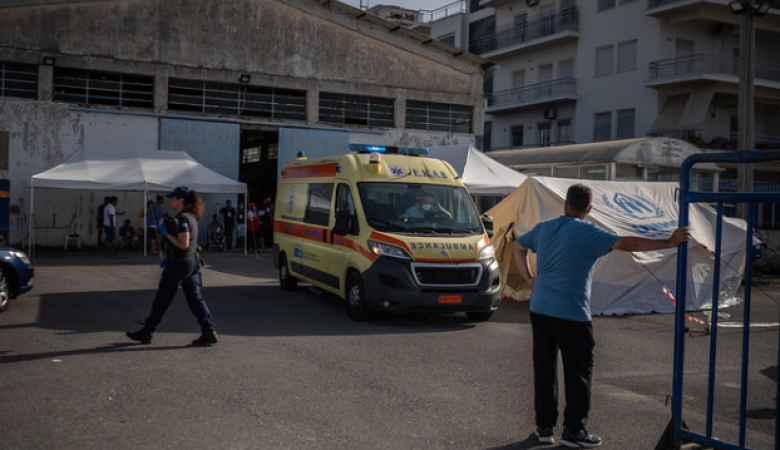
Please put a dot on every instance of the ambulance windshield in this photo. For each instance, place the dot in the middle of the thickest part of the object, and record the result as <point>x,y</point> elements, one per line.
<point>418,208</point>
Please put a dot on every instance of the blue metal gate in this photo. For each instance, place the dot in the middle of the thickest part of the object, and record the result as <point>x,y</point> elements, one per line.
<point>679,433</point>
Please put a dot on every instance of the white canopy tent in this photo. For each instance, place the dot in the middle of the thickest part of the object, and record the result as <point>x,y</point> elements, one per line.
<point>481,174</point>
<point>140,170</point>
<point>628,283</point>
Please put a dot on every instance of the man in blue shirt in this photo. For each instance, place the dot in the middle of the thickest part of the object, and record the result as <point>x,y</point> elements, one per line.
<point>567,249</point>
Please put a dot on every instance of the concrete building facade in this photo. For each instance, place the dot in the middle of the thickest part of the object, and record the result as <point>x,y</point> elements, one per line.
<point>238,85</point>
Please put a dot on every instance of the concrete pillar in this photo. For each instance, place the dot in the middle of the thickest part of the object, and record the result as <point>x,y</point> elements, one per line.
<point>160,93</point>
<point>45,83</point>
<point>312,106</point>
<point>399,109</point>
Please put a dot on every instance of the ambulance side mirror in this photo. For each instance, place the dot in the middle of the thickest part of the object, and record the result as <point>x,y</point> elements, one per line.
<point>487,221</point>
<point>346,223</point>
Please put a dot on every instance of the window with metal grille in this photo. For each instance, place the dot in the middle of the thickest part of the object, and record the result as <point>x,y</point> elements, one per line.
<point>103,88</point>
<point>235,99</point>
<point>18,80</point>
<point>356,110</point>
<point>438,117</point>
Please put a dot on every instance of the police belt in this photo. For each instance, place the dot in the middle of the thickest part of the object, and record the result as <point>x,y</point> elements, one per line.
<point>180,255</point>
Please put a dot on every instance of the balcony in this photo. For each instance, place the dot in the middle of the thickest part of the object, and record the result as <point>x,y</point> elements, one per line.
<point>538,33</point>
<point>707,67</point>
<point>686,10</point>
<point>720,140</point>
<point>555,91</point>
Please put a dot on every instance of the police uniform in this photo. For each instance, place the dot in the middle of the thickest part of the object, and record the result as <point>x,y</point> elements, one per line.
<point>182,268</point>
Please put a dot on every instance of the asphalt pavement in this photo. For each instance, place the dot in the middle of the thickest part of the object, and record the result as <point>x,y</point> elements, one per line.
<point>292,371</point>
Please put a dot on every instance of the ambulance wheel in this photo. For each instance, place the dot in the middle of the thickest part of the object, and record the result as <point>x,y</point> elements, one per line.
<point>287,281</point>
<point>356,298</point>
<point>479,316</point>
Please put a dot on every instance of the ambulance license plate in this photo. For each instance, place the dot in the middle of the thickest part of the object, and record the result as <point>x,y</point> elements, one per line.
<point>449,299</point>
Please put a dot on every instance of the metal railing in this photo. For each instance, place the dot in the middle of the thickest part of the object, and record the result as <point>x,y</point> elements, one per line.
<point>702,63</point>
<point>454,8</point>
<point>658,3</point>
<point>533,92</point>
<point>539,27</point>
<point>679,433</point>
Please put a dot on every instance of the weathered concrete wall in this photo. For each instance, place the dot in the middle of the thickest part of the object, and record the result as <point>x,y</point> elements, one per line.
<point>276,41</point>
<point>44,134</point>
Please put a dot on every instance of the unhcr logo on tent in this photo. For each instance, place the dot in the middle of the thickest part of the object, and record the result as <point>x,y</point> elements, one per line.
<point>640,209</point>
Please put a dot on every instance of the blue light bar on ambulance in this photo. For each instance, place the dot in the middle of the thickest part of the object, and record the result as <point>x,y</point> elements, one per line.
<point>411,151</point>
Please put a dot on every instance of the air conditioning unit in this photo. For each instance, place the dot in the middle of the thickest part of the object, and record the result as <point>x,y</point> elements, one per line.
<point>724,30</point>
<point>550,114</point>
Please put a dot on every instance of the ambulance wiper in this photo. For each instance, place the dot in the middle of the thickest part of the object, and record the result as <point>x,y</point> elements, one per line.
<point>457,230</point>
<point>392,225</point>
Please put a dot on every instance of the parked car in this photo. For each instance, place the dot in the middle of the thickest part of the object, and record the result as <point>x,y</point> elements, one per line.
<point>16,275</point>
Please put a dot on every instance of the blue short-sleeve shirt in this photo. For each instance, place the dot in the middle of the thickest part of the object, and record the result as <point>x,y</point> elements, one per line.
<point>566,250</point>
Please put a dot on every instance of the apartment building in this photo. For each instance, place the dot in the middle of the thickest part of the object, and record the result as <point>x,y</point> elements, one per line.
<point>573,72</point>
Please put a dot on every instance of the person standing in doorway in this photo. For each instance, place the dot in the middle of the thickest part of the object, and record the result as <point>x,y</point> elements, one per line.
<point>240,224</point>
<point>181,267</point>
<point>252,226</point>
<point>229,219</point>
<point>266,215</point>
<point>567,249</point>
<point>99,221</point>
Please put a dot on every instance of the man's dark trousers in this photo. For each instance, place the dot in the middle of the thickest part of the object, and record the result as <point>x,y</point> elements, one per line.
<point>575,341</point>
<point>229,236</point>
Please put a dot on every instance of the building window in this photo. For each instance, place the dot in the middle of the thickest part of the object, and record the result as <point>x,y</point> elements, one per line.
<point>487,137</point>
<point>626,56</point>
<point>604,60</point>
<point>602,129</point>
<point>235,99</point>
<point>482,35</point>
<point>18,80</point>
<point>544,134</point>
<point>103,88</point>
<point>517,136</point>
<point>605,5</point>
<point>625,123</point>
<point>438,117</point>
<point>356,110</point>
<point>448,39</point>
<point>564,131</point>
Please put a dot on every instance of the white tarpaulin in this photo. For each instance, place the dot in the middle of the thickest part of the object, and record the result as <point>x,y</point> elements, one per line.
<point>134,170</point>
<point>628,283</point>
<point>481,174</point>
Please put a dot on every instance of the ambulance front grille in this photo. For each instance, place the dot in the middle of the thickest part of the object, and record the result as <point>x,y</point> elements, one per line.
<point>447,274</point>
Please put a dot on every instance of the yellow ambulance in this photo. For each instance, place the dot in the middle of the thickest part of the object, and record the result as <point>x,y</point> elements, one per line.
<point>387,230</point>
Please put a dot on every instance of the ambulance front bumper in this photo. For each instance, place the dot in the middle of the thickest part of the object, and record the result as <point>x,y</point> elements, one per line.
<point>399,286</point>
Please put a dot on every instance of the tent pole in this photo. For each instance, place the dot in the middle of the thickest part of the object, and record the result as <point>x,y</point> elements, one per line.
<point>30,235</point>
<point>146,225</point>
<point>246,233</point>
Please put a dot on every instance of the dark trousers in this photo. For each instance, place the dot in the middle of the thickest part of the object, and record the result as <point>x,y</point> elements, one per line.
<point>229,236</point>
<point>575,341</point>
<point>184,272</point>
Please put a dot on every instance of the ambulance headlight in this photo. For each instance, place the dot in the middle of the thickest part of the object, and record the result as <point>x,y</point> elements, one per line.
<point>382,249</point>
<point>488,253</point>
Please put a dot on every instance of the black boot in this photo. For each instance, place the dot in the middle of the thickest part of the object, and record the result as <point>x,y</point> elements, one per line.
<point>144,335</point>
<point>207,338</point>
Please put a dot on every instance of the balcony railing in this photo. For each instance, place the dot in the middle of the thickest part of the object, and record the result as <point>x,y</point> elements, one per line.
<point>658,3</point>
<point>533,92</point>
<point>541,27</point>
<point>720,140</point>
<point>454,8</point>
<point>701,64</point>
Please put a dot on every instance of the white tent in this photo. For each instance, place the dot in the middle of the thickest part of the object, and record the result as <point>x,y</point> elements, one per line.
<point>481,174</point>
<point>142,170</point>
<point>628,283</point>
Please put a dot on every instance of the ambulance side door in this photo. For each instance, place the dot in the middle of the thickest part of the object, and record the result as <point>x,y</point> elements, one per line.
<point>343,234</point>
<point>316,250</point>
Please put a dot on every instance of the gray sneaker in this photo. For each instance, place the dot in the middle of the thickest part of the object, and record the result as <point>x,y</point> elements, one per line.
<point>545,435</point>
<point>579,439</point>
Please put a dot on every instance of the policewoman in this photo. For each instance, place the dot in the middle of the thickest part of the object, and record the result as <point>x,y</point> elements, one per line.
<point>181,266</point>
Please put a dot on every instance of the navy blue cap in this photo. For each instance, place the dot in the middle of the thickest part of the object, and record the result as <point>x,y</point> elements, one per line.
<point>179,192</point>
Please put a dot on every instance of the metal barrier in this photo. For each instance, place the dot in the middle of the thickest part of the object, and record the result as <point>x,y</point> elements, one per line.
<point>678,433</point>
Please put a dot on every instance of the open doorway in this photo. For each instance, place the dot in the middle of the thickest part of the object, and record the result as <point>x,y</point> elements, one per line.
<point>259,155</point>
